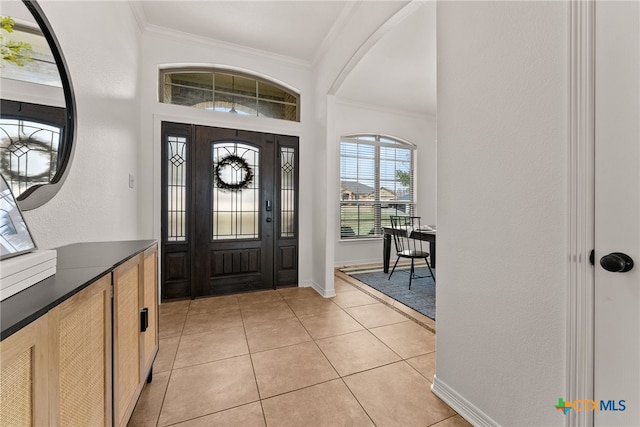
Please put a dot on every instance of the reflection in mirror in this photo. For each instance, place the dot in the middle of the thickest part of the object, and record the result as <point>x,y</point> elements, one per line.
<point>30,136</point>
<point>34,61</point>
<point>37,112</point>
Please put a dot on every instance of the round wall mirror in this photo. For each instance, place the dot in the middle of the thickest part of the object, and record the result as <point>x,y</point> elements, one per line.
<point>37,111</point>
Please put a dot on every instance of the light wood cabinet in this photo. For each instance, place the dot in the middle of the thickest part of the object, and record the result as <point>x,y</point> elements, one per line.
<point>126,336</point>
<point>24,399</point>
<point>80,358</point>
<point>135,305</point>
<point>149,298</point>
<point>84,361</point>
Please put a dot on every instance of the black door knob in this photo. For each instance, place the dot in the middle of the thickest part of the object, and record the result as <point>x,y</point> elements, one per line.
<point>616,262</point>
<point>268,219</point>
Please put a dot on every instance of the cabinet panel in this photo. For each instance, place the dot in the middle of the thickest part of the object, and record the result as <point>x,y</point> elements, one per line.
<point>149,340</point>
<point>23,376</point>
<point>126,336</point>
<point>80,358</point>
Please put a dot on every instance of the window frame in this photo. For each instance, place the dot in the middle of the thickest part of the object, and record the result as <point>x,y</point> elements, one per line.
<point>377,141</point>
<point>163,72</point>
<point>42,58</point>
<point>45,115</point>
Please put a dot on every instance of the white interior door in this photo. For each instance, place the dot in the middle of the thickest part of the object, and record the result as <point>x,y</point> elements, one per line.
<point>617,216</point>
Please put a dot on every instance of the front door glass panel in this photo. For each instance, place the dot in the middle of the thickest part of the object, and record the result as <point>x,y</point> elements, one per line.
<point>235,201</point>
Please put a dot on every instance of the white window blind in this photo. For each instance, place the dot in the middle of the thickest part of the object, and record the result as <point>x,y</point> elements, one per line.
<point>376,182</point>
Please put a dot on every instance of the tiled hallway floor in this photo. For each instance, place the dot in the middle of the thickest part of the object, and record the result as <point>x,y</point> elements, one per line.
<point>292,358</point>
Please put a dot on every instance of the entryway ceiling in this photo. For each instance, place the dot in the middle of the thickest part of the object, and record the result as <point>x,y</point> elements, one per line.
<point>294,29</point>
<point>397,73</point>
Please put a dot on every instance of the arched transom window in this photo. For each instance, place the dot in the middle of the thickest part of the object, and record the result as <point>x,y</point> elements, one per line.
<point>229,92</point>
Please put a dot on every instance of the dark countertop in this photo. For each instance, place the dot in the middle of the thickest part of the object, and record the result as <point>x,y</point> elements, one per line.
<point>78,265</point>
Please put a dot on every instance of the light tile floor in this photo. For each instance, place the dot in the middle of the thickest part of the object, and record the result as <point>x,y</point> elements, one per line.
<point>292,358</point>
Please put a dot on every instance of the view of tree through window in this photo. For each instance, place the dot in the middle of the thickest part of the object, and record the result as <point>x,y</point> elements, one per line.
<point>376,182</point>
<point>35,64</point>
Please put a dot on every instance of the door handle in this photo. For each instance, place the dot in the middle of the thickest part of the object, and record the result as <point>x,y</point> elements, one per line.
<point>268,206</point>
<point>616,262</point>
<point>144,319</point>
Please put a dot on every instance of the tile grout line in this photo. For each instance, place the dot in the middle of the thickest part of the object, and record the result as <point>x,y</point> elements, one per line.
<point>356,399</point>
<point>340,376</point>
<point>197,364</point>
<point>175,356</point>
<point>312,338</point>
<point>445,419</point>
<point>416,369</point>
<point>253,368</point>
<point>347,333</point>
<point>364,288</point>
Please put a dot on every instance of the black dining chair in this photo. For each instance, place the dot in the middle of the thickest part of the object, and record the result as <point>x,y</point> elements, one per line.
<point>408,247</point>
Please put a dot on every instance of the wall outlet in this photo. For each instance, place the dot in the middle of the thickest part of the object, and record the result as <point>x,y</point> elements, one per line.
<point>130,180</point>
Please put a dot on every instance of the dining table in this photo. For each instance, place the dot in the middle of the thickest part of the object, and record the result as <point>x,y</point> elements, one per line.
<point>427,234</point>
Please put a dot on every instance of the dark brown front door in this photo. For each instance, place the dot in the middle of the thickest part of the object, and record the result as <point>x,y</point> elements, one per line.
<point>229,211</point>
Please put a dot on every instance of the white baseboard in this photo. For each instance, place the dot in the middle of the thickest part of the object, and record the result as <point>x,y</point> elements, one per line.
<point>462,406</point>
<point>324,293</point>
<point>340,264</point>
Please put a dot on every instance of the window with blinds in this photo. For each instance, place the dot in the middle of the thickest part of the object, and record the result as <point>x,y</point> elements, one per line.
<point>376,182</point>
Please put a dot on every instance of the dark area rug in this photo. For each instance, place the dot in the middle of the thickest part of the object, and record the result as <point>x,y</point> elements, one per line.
<point>421,297</point>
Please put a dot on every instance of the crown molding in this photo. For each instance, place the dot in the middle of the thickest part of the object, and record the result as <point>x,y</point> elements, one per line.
<point>146,28</point>
<point>217,44</point>
<point>386,110</point>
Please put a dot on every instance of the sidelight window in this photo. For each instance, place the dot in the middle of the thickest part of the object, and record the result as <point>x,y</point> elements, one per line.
<point>176,190</point>
<point>287,192</point>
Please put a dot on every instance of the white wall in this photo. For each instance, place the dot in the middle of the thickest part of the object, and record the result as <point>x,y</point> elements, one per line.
<point>352,118</point>
<point>115,80</point>
<point>502,165</point>
<point>101,45</point>
<point>365,25</point>
<point>170,49</point>
<point>314,81</point>
<point>501,175</point>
